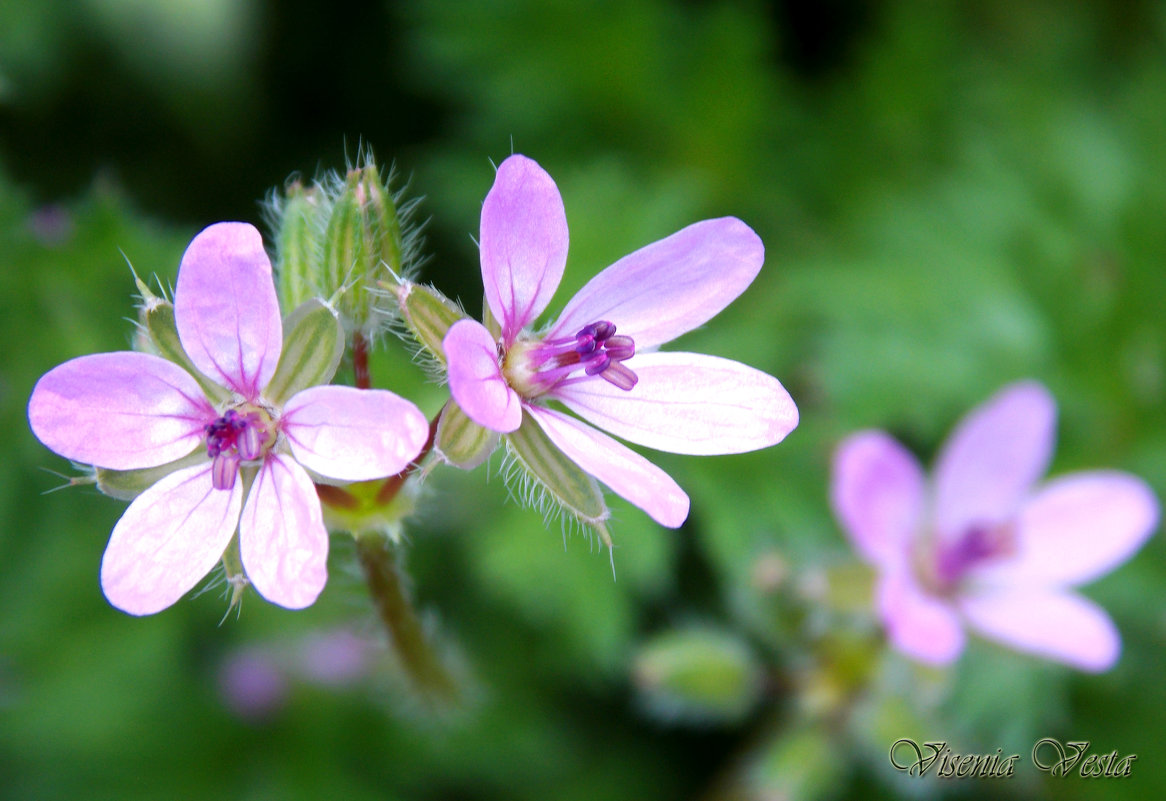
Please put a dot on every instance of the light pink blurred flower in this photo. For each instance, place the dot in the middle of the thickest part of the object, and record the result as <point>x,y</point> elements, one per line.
<point>129,410</point>
<point>598,359</point>
<point>981,545</point>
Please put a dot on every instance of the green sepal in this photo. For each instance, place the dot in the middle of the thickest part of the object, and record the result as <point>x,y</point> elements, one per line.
<point>699,674</point>
<point>383,230</point>
<point>163,332</point>
<point>125,485</point>
<point>573,489</point>
<point>299,245</point>
<point>374,508</point>
<point>429,315</point>
<point>313,344</point>
<point>460,441</point>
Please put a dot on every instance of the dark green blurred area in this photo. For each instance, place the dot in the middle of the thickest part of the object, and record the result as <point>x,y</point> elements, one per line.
<point>952,196</point>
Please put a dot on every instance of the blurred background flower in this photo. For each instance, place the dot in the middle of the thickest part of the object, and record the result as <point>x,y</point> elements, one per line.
<point>952,196</point>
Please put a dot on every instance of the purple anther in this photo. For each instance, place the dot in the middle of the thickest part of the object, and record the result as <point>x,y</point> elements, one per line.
<point>249,442</point>
<point>620,376</point>
<point>224,469</point>
<point>620,348</point>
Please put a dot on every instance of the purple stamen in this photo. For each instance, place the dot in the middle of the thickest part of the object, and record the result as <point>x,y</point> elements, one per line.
<point>231,440</point>
<point>596,349</point>
<point>978,544</point>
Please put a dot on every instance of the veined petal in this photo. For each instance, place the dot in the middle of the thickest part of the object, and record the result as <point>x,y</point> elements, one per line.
<point>688,403</point>
<point>990,463</point>
<point>122,411</point>
<point>523,242</point>
<point>282,540</point>
<point>628,474</point>
<point>1078,528</point>
<point>919,625</point>
<point>669,287</point>
<point>353,434</point>
<point>475,378</point>
<point>171,536</point>
<point>1062,626</point>
<point>226,309</point>
<point>876,489</point>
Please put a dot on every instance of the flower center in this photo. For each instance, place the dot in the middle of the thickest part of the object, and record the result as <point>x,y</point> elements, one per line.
<point>533,368</point>
<point>979,544</point>
<point>235,438</point>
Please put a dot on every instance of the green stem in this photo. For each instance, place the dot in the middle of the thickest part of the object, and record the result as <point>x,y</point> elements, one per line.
<point>386,586</point>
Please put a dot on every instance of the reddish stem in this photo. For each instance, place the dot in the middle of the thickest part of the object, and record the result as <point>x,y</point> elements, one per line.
<point>362,378</point>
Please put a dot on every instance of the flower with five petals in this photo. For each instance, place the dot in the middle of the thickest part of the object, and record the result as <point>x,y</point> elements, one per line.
<point>131,411</point>
<point>981,545</point>
<point>599,358</point>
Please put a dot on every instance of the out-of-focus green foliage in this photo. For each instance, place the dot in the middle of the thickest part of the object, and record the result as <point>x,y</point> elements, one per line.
<point>952,196</point>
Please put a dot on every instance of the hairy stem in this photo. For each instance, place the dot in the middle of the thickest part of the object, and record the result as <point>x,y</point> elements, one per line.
<point>386,586</point>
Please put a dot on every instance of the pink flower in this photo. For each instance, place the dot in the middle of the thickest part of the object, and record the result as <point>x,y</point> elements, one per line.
<point>598,359</point>
<point>981,545</point>
<point>129,411</point>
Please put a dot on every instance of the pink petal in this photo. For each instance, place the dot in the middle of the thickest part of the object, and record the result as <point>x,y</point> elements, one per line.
<point>688,403</point>
<point>353,434</point>
<point>523,243</point>
<point>475,378</point>
<point>121,411</point>
<point>628,474</point>
<point>876,489</point>
<point>919,625</point>
<point>226,310</point>
<point>1078,528</point>
<point>1056,625</point>
<point>671,286</point>
<point>993,458</point>
<point>282,539</point>
<point>171,536</point>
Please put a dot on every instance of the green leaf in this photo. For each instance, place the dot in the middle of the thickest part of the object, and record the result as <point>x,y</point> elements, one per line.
<point>312,347</point>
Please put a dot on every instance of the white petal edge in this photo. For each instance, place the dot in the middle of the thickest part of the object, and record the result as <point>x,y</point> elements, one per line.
<point>688,403</point>
<point>1061,626</point>
<point>282,539</point>
<point>353,434</point>
<point>169,538</point>
<point>628,474</point>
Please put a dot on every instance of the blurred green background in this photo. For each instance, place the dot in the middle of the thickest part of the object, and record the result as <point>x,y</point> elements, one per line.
<point>952,196</point>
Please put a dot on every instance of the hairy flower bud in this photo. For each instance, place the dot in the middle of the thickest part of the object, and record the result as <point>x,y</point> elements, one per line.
<point>344,239</point>
<point>299,244</point>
